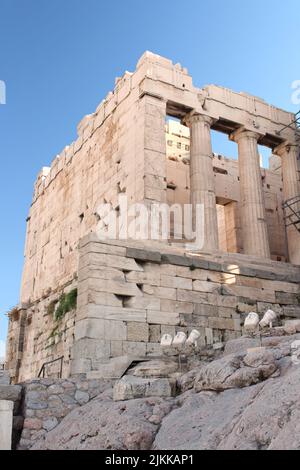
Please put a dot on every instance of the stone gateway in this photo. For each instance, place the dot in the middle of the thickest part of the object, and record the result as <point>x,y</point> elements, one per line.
<point>87,301</point>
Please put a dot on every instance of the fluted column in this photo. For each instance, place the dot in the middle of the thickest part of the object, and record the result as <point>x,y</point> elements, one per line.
<point>202,180</point>
<point>291,189</point>
<point>252,208</point>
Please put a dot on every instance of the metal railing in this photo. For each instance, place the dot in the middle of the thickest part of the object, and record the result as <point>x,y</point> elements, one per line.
<point>42,371</point>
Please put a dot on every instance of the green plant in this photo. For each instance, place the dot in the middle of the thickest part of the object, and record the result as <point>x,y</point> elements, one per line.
<point>54,332</point>
<point>67,302</point>
<point>51,307</point>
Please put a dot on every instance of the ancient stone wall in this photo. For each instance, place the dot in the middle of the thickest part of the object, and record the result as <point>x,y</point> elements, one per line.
<point>120,149</point>
<point>47,401</point>
<point>130,294</point>
<point>36,336</point>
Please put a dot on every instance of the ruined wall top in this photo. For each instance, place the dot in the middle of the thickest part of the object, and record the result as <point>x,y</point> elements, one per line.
<point>159,77</point>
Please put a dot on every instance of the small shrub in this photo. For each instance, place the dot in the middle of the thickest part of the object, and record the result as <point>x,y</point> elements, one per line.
<point>54,332</point>
<point>67,302</point>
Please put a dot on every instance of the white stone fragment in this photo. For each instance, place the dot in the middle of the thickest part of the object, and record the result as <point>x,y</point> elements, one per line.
<point>251,322</point>
<point>268,318</point>
<point>6,420</point>
<point>193,337</point>
<point>179,340</point>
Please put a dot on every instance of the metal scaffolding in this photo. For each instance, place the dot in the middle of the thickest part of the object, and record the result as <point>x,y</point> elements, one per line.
<point>291,207</point>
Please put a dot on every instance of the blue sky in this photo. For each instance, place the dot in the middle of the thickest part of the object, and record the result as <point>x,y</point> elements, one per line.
<point>60,58</point>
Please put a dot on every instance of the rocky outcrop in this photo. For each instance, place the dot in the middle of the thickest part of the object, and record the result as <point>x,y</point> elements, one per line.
<point>105,424</point>
<point>263,416</point>
<point>236,371</point>
<point>247,399</point>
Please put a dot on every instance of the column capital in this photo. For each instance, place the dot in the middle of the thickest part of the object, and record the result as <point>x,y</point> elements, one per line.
<point>193,117</point>
<point>242,133</point>
<point>283,148</point>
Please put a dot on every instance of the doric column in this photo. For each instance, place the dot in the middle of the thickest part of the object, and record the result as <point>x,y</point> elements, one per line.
<point>252,208</point>
<point>202,180</point>
<point>291,189</point>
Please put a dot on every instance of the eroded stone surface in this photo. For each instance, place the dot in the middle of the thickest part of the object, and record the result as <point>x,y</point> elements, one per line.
<point>248,415</point>
<point>104,424</point>
<point>236,371</point>
<point>130,387</point>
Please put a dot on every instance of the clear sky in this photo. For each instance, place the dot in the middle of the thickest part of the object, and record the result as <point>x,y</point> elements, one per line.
<point>59,59</point>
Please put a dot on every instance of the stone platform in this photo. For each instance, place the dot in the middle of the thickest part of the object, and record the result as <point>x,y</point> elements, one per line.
<point>130,294</point>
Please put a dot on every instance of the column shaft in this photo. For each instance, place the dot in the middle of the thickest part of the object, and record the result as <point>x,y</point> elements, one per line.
<point>202,180</point>
<point>252,208</point>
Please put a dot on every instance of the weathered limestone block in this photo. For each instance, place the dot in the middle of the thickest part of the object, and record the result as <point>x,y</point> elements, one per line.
<point>143,255</point>
<point>154,368</point>
<point>292,311</point>
<point>206,310</point>
<point>167,305</point>
<point>154,333</point>
<point>141,303</point>
<point>191,296</point>
<point>287,298</point>
<point>178,260</point>
<point>250,292</point>
<point>143,278</point>
<point>111,261</point>
<point>98,298</point>
<point>129,388</point>
<point>92,349</point>
<point>6,422</point>
<point>161,292</point>
<point>112,313</point>
<point>95,272</point>
<point>137,331</point>
<point>224,324</point>
<point>134,349</point>
<point>166,318</point>
<point>167,330</point>
<point>176,282</point>
<point>204,286</point>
